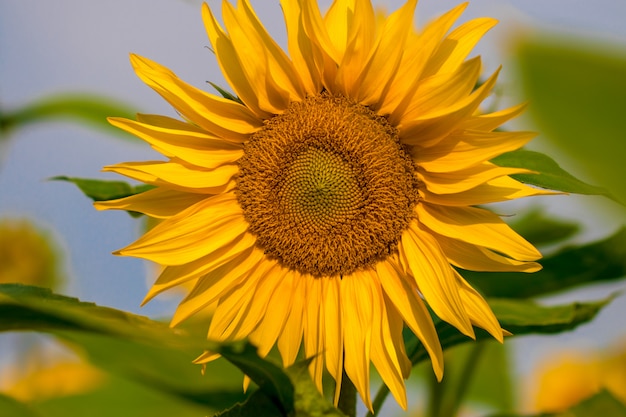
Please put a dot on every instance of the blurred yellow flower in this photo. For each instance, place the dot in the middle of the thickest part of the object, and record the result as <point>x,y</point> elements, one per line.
<point>570,377</point>
<point>63,378</point>
<point>331,198</point>
<point>27,255</point>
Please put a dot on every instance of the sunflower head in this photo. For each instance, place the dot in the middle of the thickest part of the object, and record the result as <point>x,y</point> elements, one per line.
<point>336,196</point>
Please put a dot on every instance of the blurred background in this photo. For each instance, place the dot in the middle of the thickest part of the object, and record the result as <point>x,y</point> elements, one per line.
<point>76,47</point>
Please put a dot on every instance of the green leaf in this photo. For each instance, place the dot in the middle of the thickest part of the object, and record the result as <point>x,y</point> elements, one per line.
<point>135,346</point>
<point>225,93</point>
<point>119,396</point>
<point>477,372</point>
<point>88,108</point>
<point>520,317</point>
<point>517,316</point>
<point>9,406</point>
<point>604,260</point>
<point>549,175</point>
<point>105,190</point>
<point>577,91</point>
<point>258,405</point>
<point>541,230</point>
<point>308,400</point>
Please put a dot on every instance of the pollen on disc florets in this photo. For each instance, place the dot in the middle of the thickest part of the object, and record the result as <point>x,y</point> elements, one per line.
<point>326,187</point>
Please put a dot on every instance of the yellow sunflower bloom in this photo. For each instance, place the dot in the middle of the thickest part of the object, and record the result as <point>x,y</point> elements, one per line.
<point>329,203</point>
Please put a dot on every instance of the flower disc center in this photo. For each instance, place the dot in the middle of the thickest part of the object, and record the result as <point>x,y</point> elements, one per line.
<point>327,187</point>
<point>319,190</point>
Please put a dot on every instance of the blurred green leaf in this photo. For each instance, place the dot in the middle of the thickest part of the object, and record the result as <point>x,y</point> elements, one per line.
<point>549,175</point>
<point>121,397</point>
<point>539,229</point>
<point>604,260</point>
<point>104,190</point>
<point>577,91</point>
<point>144,349</point>
<point>10,407</point>
<point>601,404</point>
<point>478,372</point>
<point>88,108</point>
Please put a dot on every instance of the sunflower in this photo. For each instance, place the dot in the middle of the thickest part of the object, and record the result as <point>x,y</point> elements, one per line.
<point>333,196</point>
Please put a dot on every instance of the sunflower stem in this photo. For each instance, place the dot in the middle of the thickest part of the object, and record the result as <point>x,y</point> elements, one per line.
<point>379,399</point>
<point>467,373</point>
<point>347,397</point>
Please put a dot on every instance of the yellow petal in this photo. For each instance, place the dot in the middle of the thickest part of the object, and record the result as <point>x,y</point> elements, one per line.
<point>377,74</point>
<point>455,48</point>
<point>306,57</point>
<point>217,282</point>
<point>278,63</point>
<point>273,323</point>
<point>333,330</point>
<point>356,310</point>
<point>418,50</point>
<point>413,311</point>
<point>490,121</point>
<point>434,277</point>
<point>443,90</point>
<point>384,354</point>
<point>193,233</point>
<point>222,117</point>
<point>452,182</point>
<point>338,22</point>
<point>290,339</point>
<point>479,311</point>
<point>158,202</point>
<point>427,130</point>
<point>314,328</point>
<point>361,37</point>
<point>242,307</point>
<point>493,191</point>
<point>267,71</point>
<point>476,226</point>
<point>200,149</point>
<point>477,258</point>
<point>468,149</point>
<point>229,63</point>
<point>172,276</point>
<point>315,28</point>
<point>178,175</point>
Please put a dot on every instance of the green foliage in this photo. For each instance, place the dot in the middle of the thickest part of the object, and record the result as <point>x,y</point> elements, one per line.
<point>604,260</point>
<point>87,108</point>
<point>548,175</point>
<point>139,348</point>
<point>13,408</point>
<point>519,317</point>
<point>578,95</point>
<point>104,190</point>
<point>539,229</point>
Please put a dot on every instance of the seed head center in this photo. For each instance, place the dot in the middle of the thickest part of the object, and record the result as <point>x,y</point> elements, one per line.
<point>319,190</point>
<point>326,187</point>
